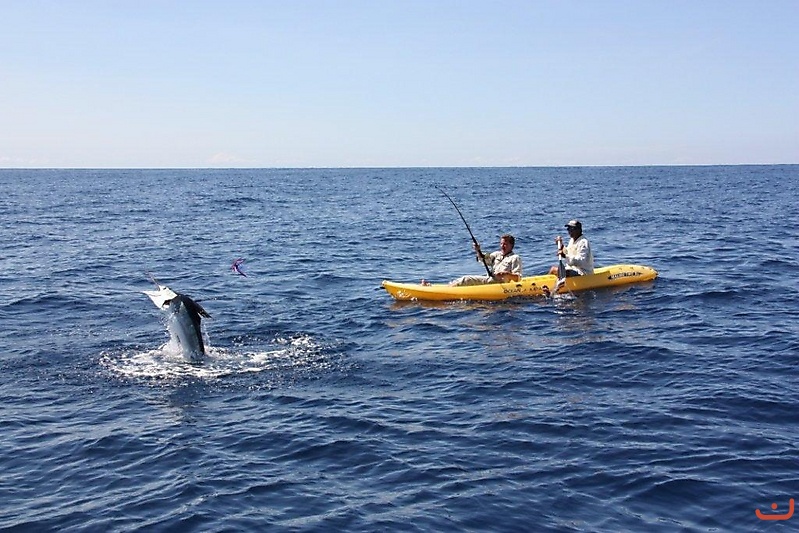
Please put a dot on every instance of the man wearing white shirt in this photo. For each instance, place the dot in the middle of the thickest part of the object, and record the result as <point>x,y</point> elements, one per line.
<point>577,256</point>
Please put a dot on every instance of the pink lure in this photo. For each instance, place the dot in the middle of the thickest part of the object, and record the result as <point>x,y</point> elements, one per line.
<point>236,267</point>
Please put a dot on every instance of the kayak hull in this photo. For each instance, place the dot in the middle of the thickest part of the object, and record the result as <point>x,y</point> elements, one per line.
<point>532,286</point>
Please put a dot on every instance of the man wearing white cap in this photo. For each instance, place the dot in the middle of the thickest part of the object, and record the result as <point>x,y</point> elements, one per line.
<point>577,255</point>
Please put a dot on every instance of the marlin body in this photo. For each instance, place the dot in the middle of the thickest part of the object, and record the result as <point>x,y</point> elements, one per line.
<point>183,323</point>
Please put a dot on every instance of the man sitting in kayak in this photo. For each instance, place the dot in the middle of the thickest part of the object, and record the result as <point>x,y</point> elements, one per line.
<point>505,264</point>
<point>577,255</point>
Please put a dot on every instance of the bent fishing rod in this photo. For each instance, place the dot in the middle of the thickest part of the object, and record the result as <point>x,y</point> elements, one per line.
<point>474,240</point>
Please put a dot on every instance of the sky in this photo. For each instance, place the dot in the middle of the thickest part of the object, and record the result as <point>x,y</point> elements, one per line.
<point>397,83</point>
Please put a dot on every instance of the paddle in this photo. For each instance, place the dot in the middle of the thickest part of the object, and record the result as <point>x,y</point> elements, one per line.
<point>561,269</point>
<point>474,240</point>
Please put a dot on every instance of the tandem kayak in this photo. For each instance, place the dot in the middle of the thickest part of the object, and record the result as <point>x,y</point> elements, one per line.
<point>532,286</point>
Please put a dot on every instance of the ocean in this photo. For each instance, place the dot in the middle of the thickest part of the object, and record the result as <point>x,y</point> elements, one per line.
<point>325,405</point>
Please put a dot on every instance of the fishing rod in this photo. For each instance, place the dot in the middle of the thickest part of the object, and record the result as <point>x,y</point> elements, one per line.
<point>474,239</point>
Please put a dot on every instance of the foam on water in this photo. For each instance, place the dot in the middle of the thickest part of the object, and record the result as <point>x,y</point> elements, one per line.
<point>167,363</point>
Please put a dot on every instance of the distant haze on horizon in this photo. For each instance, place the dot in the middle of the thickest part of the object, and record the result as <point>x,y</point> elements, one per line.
<point>364,84</point>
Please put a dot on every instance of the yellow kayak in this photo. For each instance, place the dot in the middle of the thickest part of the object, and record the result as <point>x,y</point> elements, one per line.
<point>543,285</point>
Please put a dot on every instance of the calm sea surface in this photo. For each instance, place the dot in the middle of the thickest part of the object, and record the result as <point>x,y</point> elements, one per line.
<point>324,405</point>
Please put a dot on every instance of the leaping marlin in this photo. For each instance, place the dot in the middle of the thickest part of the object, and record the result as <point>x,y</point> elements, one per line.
<point>184,320</point>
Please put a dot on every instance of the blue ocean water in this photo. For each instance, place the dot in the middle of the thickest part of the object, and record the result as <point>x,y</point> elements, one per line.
<point>325,405</point>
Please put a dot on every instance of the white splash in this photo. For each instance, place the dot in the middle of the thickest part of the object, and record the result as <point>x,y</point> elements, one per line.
<point>167,362</point>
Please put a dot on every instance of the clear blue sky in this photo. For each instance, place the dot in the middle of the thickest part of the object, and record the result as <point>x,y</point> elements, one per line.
<point>316,83</point>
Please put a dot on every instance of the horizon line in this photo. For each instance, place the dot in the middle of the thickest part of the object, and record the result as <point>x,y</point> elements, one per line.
<point>409,167</point>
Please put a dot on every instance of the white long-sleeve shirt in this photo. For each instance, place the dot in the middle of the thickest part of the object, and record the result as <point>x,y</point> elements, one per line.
<point>579,256</point>
<point>498,263</point>
<point>504,264</point>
